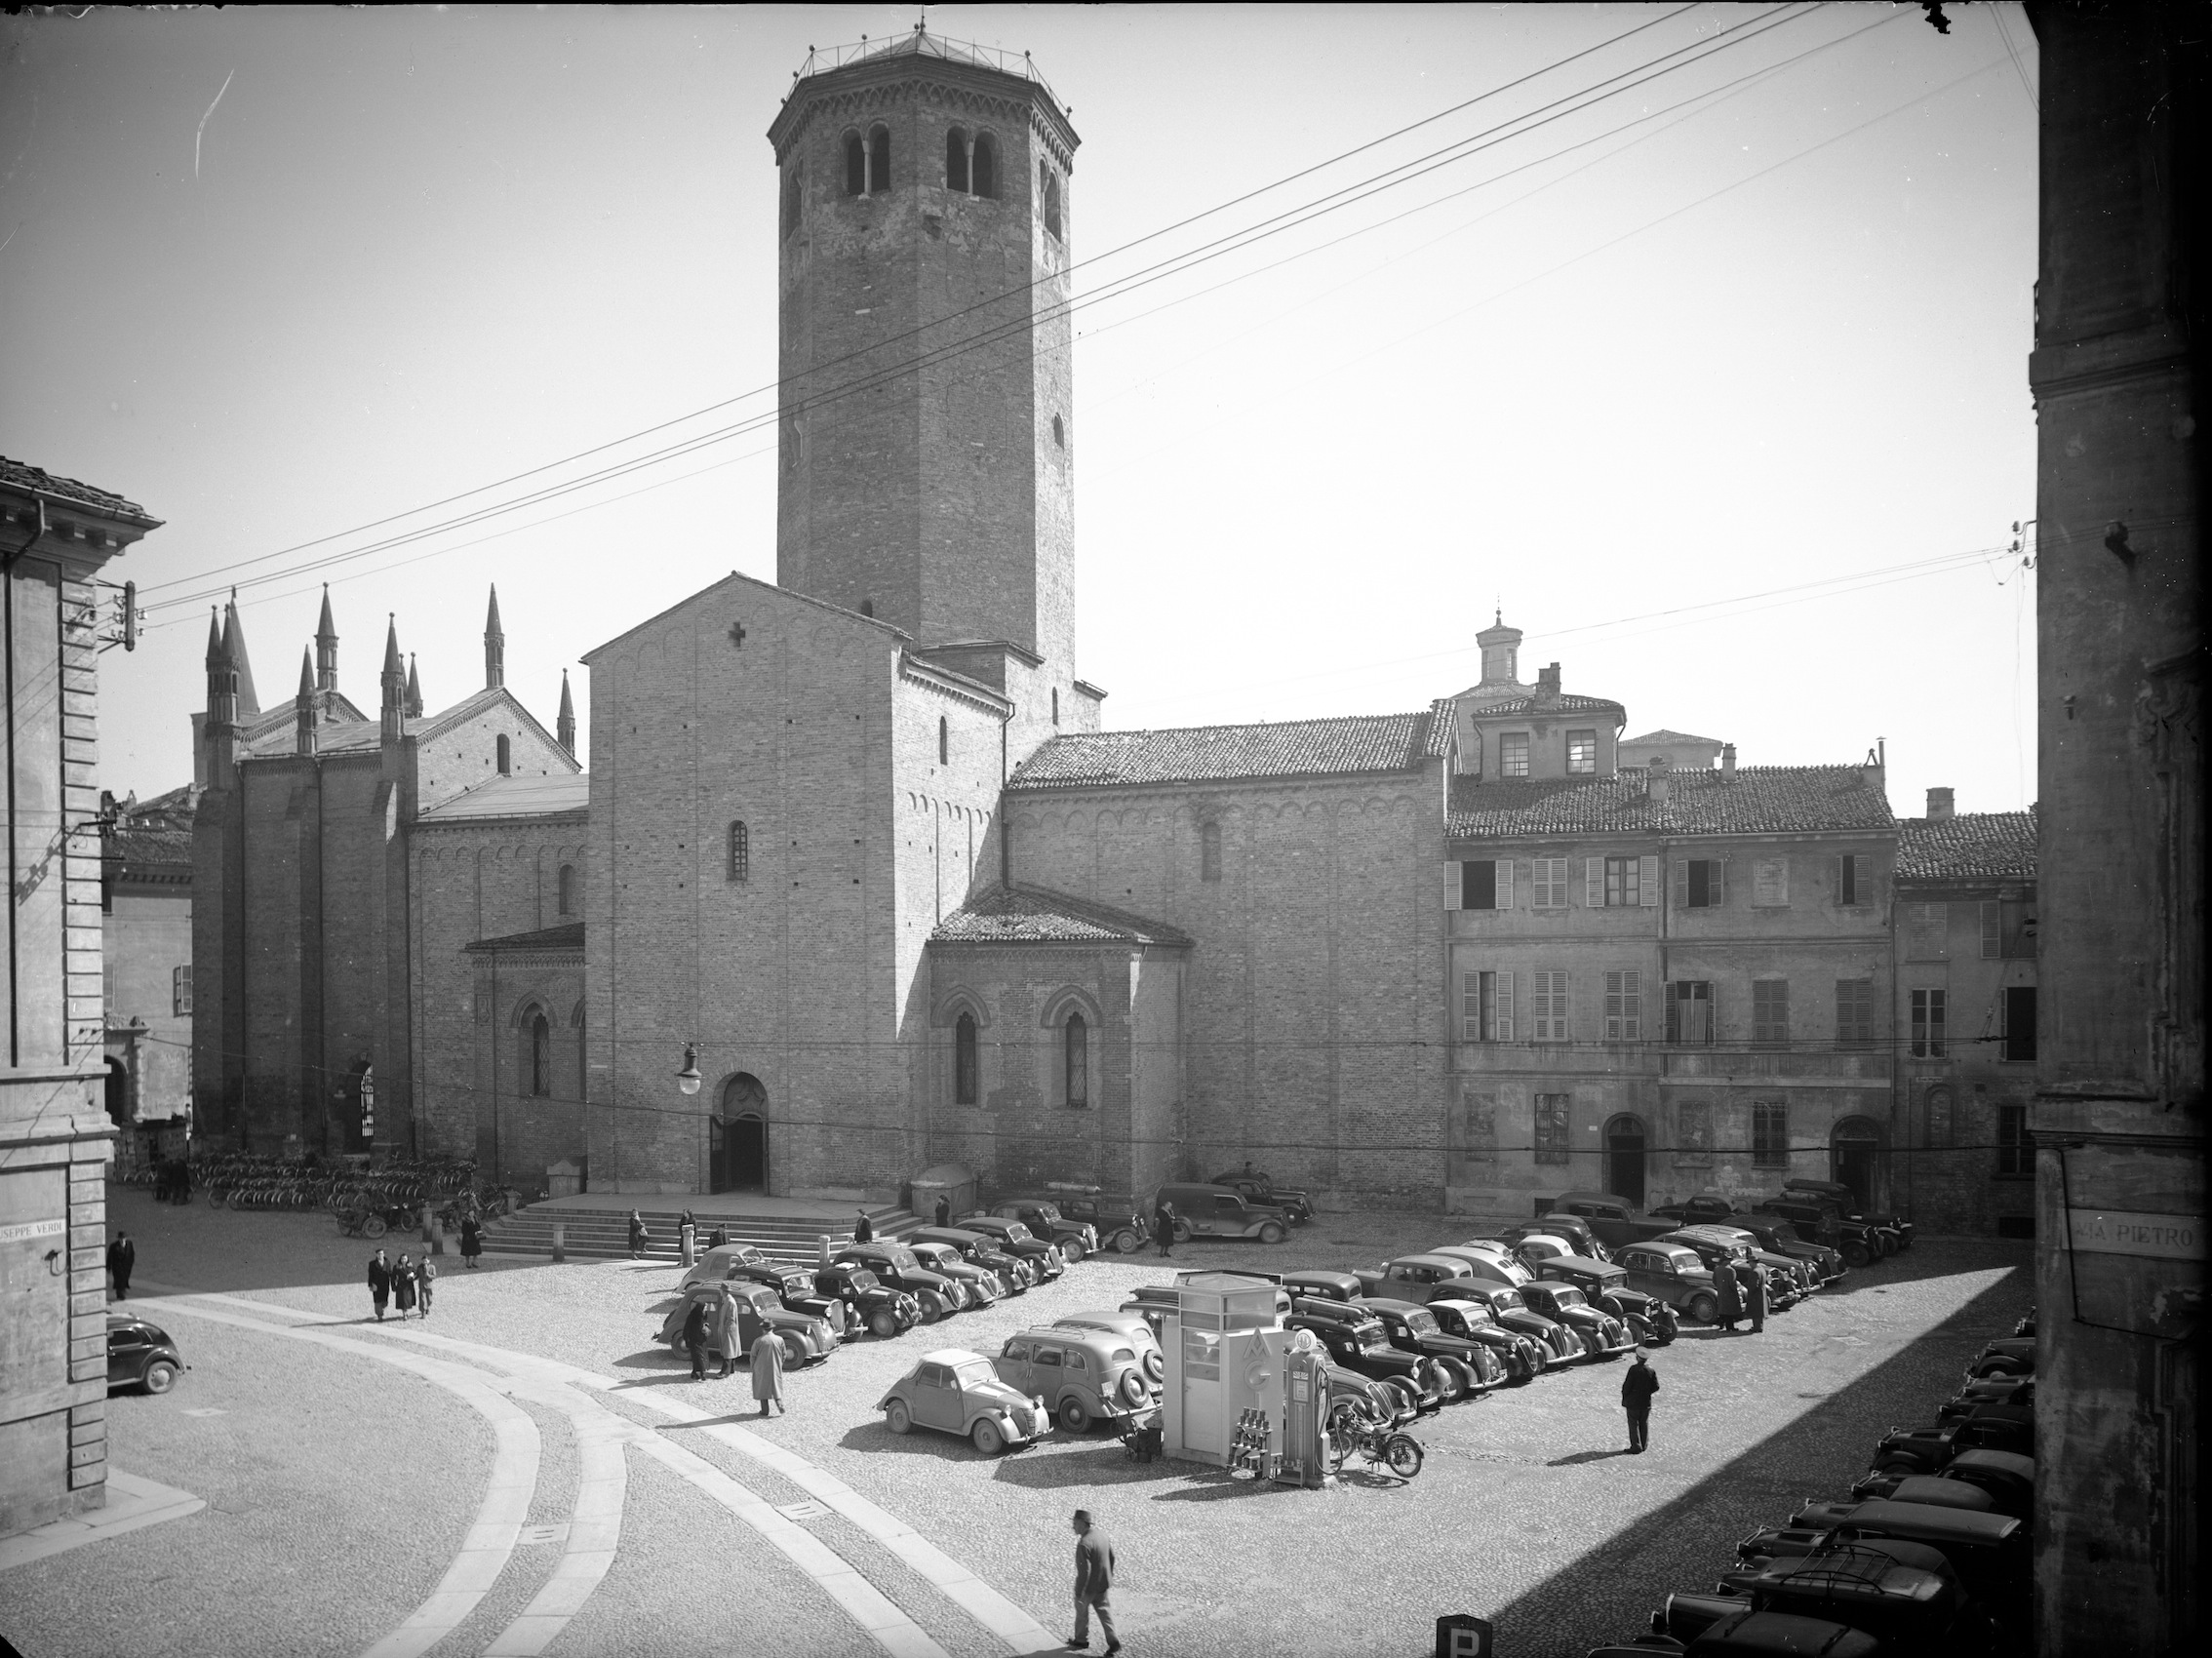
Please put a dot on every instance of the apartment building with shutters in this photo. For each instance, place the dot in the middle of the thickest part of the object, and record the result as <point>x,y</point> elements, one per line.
<point>1667,981</point>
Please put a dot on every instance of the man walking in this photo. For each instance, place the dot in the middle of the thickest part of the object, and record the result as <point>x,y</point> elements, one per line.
<point>425,1280</point>
<point>863,1228</point>
<point>694,1339</point>
<point>637,1235</point>
<point>1755,1293</point>
<point>379,1283</point>
<point>122,1256</point>
<point>1094,1578</point>
<point>767,1363</point>
<point>1638,1383</point>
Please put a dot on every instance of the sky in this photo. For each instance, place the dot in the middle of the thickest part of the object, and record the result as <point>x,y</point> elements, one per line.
<point>1697,346</point>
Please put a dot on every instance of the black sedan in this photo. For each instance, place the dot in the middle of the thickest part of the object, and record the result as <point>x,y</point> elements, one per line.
<point>140,1355</point>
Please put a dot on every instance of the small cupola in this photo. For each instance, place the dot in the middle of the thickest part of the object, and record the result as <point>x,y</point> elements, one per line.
<point>1501,653</point>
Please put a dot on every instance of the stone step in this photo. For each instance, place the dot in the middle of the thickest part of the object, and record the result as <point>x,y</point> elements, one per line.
<point>605,1235</point>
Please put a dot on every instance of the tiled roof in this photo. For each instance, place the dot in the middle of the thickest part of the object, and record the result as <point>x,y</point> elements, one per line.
<point>1663,736</point>
<point>1029,914</point>
<point>1560,704</point>
<point>1973,843</point>
<point>26,476</point>
<point>144,853</point>
<point>1206,754</point>
<point>1758,800</point>
<point>515,797</point>
<point>567,936</point>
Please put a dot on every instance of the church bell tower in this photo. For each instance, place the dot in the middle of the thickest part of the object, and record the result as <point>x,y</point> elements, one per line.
<point>927,421</point>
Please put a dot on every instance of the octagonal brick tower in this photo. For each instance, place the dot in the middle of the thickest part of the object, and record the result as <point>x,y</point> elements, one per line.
<point>925,417</point>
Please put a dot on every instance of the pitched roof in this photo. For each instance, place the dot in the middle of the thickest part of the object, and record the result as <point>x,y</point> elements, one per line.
<point>1529,704</point>
<point>515,797</point>
<point>1029,914</point>
<point>140,853</point>
<point>274,733</point>
<point>1664,736</point>
<point>567,936</point>
<point>1760,799</point>
<point>1974,844</point>
<point>1205,754</point>
<point>24,476</point>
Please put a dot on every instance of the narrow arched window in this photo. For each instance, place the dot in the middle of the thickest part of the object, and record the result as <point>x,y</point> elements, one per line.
<point>568,888</point>
<point>879,160</point>
<point>855,164</point>
<point>1059,433</point>
<point>985,172</point>
<point>1209,852</point>
<point>541,1056</point>
<point>1055,705</point>
<point>944,741</point>
<point>956,160</point>
<point>506,756</point>
<point>740,851</point>
<point>1052,203</point>
<point>964,1060</point>
<point>867,607</point>
<point>1075,1042</point>
<point>792,190</point>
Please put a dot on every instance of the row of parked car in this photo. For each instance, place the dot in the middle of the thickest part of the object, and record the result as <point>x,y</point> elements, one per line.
<point>1810,1212</point>
<point>1930,1554</point>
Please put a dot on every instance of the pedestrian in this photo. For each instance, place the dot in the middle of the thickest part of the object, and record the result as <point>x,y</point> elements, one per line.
<point>1755,1293</point>
<point>637,1235</point>
<point>1638,1382</point>
<point>379,1283</point>
<point>1093,1581</point>
<point>1163,1225</point>
<point>718,1238</point>
<point>122,1256</point>
<point>425,1280</point>
<point>766,1360</point>
<point>944,1209</point>
<point>863,1228</point>
<point>726,1330</point>
<point>403,1287</point>
<point>182,1193</point>
<point>471,1240</point>
<point>1730,1295</point>
<point>696,1337</point>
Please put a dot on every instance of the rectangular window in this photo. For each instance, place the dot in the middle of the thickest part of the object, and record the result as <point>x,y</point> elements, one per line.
<point>1851,880</point>
<point>1770,1011</point>
<point>1925,928</point>
<point>1478,884</point>
<point>1689,1012</point>
<point>1547,1008</point>
<point>1209,852</point>
<point>1623,1006</point>
<point>1512,755</point>
<point>1550,880</point>
<point>1698,886</point>
<point>1486,1006</point>
<point>1854,1013</point>
<point>1771,1134</point>
<point>1927,1024</point>
<point>1581,753</point>
<point>2019,1022</point>
<point>1552,1128</point>
<point>1770,882</point>
<point>1993,930</point>
<point>180,991</point>
<point>2015,1153</point>
<point>1620,882</point>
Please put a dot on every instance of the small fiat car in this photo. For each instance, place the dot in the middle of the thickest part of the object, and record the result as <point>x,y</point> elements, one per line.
<point>140,1355</point>
<point>956,1392</point>
<point>727,1261</point>
<point>983,1285</point>
<point>978,1250</point>
<point>1522,1356</point>
<point>1083,1376</point>
<point>806,1340</point>
<point>1016,1239</point>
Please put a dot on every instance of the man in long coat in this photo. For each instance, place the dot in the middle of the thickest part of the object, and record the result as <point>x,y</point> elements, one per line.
<point>1093,1579</point>
<point>380,1282</point>
<point>471,1239</point>
<point>944,1209</point>
<point>1730,1295</point>
<point>725,1337</point>
<point>122,1256</point>
<point>1638,1382</point>
<point>696,1338</point>
<point>766,1361</point>
<point>863,1228</point>
<point>1163,1226</point>
<point>1754,1278</point>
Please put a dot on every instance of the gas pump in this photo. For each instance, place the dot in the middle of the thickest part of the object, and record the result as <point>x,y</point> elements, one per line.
<point>1240,1390</point>
<point>1305,1413</point>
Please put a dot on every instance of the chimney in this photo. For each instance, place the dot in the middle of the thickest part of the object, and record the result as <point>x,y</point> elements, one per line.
<point>1659,783</point>
<point>1939,804</point>
<point>1727,762</point>
<point>1548,684</point>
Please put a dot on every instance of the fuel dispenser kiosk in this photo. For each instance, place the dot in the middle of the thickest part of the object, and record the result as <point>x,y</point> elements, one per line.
<point>1240,1390</point>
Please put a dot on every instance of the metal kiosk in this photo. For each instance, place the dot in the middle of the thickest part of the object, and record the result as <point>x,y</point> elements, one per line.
<point>1239,1391</point>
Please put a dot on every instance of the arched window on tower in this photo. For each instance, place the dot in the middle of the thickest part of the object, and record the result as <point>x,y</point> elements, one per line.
<point>792,190</point>
<point>740,851</point>
<point>540,1056</point>
<point>568,889</point>
<point>956,160</point>
<point>1075,1055</point>
<point>944,741</point>
<point>984,172</point>
<point>1059,433</point>
<point>878,159</point>
<point>1051,202</point>
<point>964,1060</point>
<point>1055,705</point>
<point>506,756</point>
<point>1209,852</point>
<point>855,164</point>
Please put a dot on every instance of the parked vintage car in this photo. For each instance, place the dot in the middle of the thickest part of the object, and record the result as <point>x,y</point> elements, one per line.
<point>1615,1220</point>
<point>1774,1234</point>
<point>1571,1227</point>
<point>1484,1260</point>
<point>1989,1552</point>
<point>1914,1613</point>
<point>895,1265</point>
<point>1119,1222</point>
<point>1132,1327</point>
<point>1860,1243</point>
<point>1606,1287</point>
<point>727,1261</point>
<point>805,1340</point>
<point>1846,1199</point>
<point>1522,1356</point>
<point>1204,1210</point>
<point>958,1392</point>
<point>1355,1339</point>
<point>1414,1277</point>
<point>1994,1390</point>
<point>794,1286</point>
<point>1988,1481</point>
<point>1153,1302</point>
<point>1742,1632</point>
<point>1015,1272</point>
<point>1560,1345</point>
<point>1468,1366</point>
<point>1016,1239</point>
<point>1257,1187</point>
<point>1788,1279</point>
<point>140,1355</point>
<point>1042,1215</point>
<point>1606,1336</point>
<point>1782,1288</point>
<point>1925,1451</point>
<point>1673,1274</point>
<point>2006,1355</point>
<point>983,1285</point>
<point>1081,1376</point>
<point>867,1300</point>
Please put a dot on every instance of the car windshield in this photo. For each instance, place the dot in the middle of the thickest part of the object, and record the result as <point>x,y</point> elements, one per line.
<point>900,1258</point>
<point>1046,1212</point>
<point>862,1278</point>
<point>1370,1336</point>
<point>1017,1233</point>
<point>1782,1232</point>
<point>1503,1298</point>
<point>1565,1297</point>
<point>973,1373</point>
<point>935,1254</point>
<point>1422,1323</point>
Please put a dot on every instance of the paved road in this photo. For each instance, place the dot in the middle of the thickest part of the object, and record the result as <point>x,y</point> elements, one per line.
<point>374,1489</point>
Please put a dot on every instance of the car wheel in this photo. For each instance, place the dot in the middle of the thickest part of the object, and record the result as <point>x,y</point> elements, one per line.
<point>1855,1255</point>
<point>1705,1310</point>
<point>794,1352</point>
<point>1127,1241</point>
<point>884,1322</point>
<point>1182,1232</point>
<point>1408,1396</point>
<point>160,1376</point>
<point>1454,1380</point>
<point>374,1227</point>
<point>933,1308</point>
<point>988,1440</point>
<point>1073,1249</point>
<point>1075,1415</point>
<point>1134,1394</point>
<point>1155,1365</point>
<point>1272,1232</point>
<point>898,1418</point>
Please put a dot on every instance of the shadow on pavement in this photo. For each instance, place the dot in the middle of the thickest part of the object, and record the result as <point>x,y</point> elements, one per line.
<point>1580,1457</point>
<point>1105,1462</point>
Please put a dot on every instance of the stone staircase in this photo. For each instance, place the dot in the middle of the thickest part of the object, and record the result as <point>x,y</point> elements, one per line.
<point>605,1234</point>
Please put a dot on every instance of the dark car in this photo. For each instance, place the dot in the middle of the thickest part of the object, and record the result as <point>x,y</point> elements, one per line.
<point>1560,1345</point>
<point>1674,1274</point>
<point>1860,1243</point>
<point>1606,1287</point>
<point>1782,1289</point>
<point>1989,1552</point>
<point>794,1286</point>
<point>1016,1239</point>
<point>1846,1199</point>
<point>1925,1451</point>
<point>1327,1285</point>
<point>1613,1221</point>
<point>978,1250</point>
<point>1257,1188</point>
<point>1910,1612</point>
<point>1042,1215</point>
<point>1606,1336</point>
<point>1788,1279</point>
<point>1203,1211</point>
<point>1415,1277</point>
<point>895,1265</point>
<point>1775,1234</point>
<point>1990,1481</point>
<point>140,1355</point>
<point>1116,1219</point>
<point>1995,1390</point>
<point>1729,1628</point>
<point>1356,1340</point>
<point>2007,1355</point>
<point>867,1300</point>
<point>1521,1355</point>
<point>1469,1366</point>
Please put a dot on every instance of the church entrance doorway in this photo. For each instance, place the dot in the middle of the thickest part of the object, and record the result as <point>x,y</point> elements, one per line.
<point>738,1148</point>
<point>1855,1160</point>
<point>1624,1159</point>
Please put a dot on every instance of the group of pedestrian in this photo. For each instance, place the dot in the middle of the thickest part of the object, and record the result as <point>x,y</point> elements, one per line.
<point>122,1256</point>
<point>713,1324</point>
<point>172,1181</point>
<point>1741,1288</point>
<point>404,1285</point>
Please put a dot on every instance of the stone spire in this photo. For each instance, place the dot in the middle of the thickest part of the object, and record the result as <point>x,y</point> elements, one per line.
<point>234,645</point>
<point>413,689</point>
<point>565,727</point>
<point>495,646</point>
<point>326,648</point>
<point>394,683</point>
<point>220,726</point>
<point>303,705</point>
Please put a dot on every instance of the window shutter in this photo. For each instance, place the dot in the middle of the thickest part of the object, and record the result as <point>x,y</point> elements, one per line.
<point>1505,887</point>
<point>1455,884</point>
<point>1836,878</point>
<point>1505,1006</point>
<point>1470,1006</point>
<point>1594,883</point>
<point>1680,875</point>
<point>1647,883</point>
<point>1720,892</point>
<point>1993,930</point>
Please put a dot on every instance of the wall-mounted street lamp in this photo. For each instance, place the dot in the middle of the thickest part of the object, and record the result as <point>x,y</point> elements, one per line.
<point>688,1079</point>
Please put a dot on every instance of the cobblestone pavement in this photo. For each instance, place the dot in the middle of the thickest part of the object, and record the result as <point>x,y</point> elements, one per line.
<point>343,1486</point>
